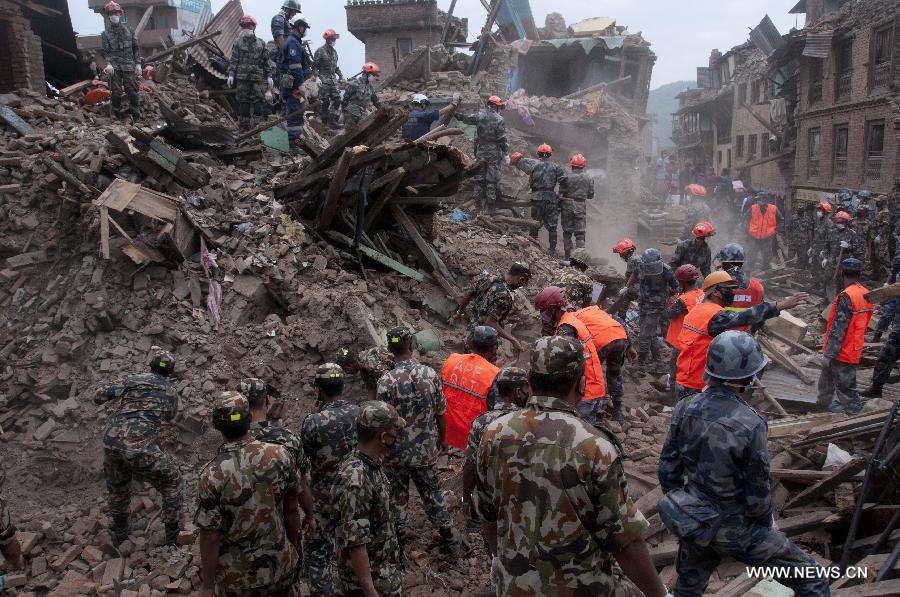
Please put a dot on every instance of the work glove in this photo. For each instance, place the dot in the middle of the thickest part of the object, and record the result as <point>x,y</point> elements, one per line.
<point>845,244</point>
<point>270,83</point>
<point>137,70</point>
<point>824,263</point>
<point>822,254</point>
<point>230,81</point>
<point>269,97</point>
<point>506,160</point>
<point>877,239</point>
<point>623,290</point>
<point>108,69</point>
<point>809,252</point>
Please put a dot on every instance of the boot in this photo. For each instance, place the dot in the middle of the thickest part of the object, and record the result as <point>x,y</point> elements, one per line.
<point>876,337</point>
<point>449,543</point>
<point>854,407</point>
<point>172,531</point>
<point>118,529</point>
<point>874,391</point>
<point>617,411</point>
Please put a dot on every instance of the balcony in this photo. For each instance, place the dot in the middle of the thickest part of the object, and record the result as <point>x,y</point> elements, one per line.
<point>873,169</point>
<point>840,169</point>
<point>812,168</point>
<point>685,139</point>
<point>844,85</point>
<point>881,76</point>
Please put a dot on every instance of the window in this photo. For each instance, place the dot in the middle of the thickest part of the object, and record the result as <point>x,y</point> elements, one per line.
<point>719,158</point>
<point>841,147</point>
<point>751,146</point>
<point>741,94</point>
<point>728,153</point>
<point>754,93</point>
<point>815,79</point>
<point>739,148</point>
<point>764,144</point>
<point>874,150</point>
<point>880,75</point>
<point>814,138</point>
<point>404,47</point>
<point>844,78</point>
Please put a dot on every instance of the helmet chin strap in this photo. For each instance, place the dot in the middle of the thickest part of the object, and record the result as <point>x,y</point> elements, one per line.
<point>742,389</point>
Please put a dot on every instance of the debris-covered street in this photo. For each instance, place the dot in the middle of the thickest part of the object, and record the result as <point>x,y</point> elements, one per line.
<point>619,334</point>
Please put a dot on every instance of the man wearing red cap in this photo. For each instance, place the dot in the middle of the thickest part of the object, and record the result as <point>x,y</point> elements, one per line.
<point>123,62</point>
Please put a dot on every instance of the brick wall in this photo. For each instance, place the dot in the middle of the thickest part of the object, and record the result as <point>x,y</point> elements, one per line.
<point>769,175</point>
<point>380,47</point>
<point>22,62</point>
<point>379,26</point>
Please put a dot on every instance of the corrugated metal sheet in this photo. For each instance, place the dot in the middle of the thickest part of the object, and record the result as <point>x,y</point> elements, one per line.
<point>610,42</point>
<point>593,25</point>
<point>766,37</point>
<point>818,44</point>
<point>227,21</point>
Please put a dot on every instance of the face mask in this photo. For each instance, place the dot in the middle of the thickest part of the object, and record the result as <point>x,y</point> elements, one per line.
<point>820,215</point>
<point>115,19</point>
<point>727,296</point>
<point>547,319</point>
<point>840,226</point>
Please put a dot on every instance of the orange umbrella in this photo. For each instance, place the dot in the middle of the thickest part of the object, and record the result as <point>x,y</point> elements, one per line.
<point>697,189</point>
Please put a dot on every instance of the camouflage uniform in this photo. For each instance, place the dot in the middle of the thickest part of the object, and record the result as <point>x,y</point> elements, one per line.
<point>356,101</point>
<point>697,212</point>
<point>718,442</point>
<point>881,245</point>
<point>415,391</point>
<point>268,433</point>
<point>326,65</point>
<point>482,422</point>
<point>800,235</point>
<point>373,363</point>
<point>835,254</point>
<point>890,316</point>
<point>328,436</point>
<point>7,528</point>
<point>140,404</point>
<point>653,294</point>
<point>574,190</point>
<point>890,310</point>
<point>493,299</point>
<point>240,494</point>
<point>543,176</point>
<point>864,229</point>
<point>579,288</point>
<point>694,251</point>
<point>362,503</point>
<point>280,25</point>
<point>490,147</point>
<point>819,250</point>
<point>250,66</point>
<point>120,49</point>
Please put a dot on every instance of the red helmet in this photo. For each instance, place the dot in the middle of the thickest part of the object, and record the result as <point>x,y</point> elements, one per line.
<point>112,7</point>
<point>824,206</point>
<point>577,161</point>
<point>842,216</point>
<point>495,100</point>
<point>626,245</point>
<point>371,68</point>
<point>704,229</point>
<point>330,34</point>
<point>148,72</point>
<point>544,149</point>
<point>551,296</point>
<point>515,157</point>
<point>247,22</point>
<point>687,273</point>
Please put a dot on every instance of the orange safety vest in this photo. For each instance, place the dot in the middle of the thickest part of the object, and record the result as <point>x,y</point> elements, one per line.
<point>603,328</point>
<point>691,299</point>
<point>763,225</point>
<point>695,340</point>
<point>595,384</point>
<point>851,349</point>
<point>467,380</point>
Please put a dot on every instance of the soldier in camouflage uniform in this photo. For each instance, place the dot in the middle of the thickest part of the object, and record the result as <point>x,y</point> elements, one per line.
<point>543,176</point>
<point>890,318</point>
<point>864,229</point>
<point>697,211</point>
<point>415,391</point>
<point>574,190</point>
<point>714,470</point>
<point>695,251</point>
<point>842,243</point>
<point>577,286</point>
<point>881,240</point>
<point>9,544</point>
<point>249,71</point>
<point>281,22</point>
<point>359,93</point>
<point>800,233</point>
<point>551,491</point>
<point>247,511</point>
<point>367,543</point>
<point>655,283</point>
<point>325,61</point>
<point>818,250</point>
<point>120,49</point>
<point>140,404</point>
<point>491,295</point>
<point>328,436</point>
<point>490,147</point>
<point>370,364</point>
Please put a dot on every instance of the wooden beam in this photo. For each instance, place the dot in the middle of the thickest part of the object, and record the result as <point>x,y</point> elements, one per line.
<point>267,125</point>
<point>145,18</point>
<point>883,294</point>
<point>377,207</point>
<point>104,232</point>
<point>178,47</point>
<point>803,476</point>
<point>388,178</point>
<point>442,274</point>
<point>351,138</point>
<point>335,188</point>
<point>648,503</point>
<point>838,476</point>
<point>784,360</point>
<point>75,87</point>
<point>376,256</point>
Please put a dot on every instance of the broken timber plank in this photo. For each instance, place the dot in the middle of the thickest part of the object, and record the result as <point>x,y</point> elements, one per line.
<point>376,256</point>
<point>788,341</point>
<point>104,232</point>
<point>178,47</point>
<point>267,125</point>
<point>771,399</point>
<point>351,138</point>
<point>883,294</point>
<point>648,503</point>
<point>60,171</point>
<point>13,120</point>
<point>803,476</point>
<point>388,178</point>
<point>385,196</point>
<point>335,188</point>
<point>442,274</point>
<point>784,360</point>
<point>789,427</point>
<point>838,476</point>
<point>75,87</point>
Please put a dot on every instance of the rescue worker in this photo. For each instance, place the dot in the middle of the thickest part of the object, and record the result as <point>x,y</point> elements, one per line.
<point>695,251</point>
<point>558,317</point>
<point>655,283</point>
<point>578,287</point>
<point>890,310</point>
<point>328,436</point>
<point>689,296</point>
<point>764,221</point>
<point>325,61</point>
<point>818,251</point>
<point>881,240</point>
<point>842,348</point>
<point>552,494</point>
<point>491,299</point>
<point>359,94</point>
<point>627,251</point>
<point>543,178</point>
<point>249,70</point>
<point>800,233</point>
<point>864,230</point>
<point>262,429</point>
<point>842,243</point>
<point>575,190</point>
<point>890,316</point>
<point>9,544</point>
<point>714,470</point>
<point>119,47</point>
<point>467,381</point>
<point>415,391</point>
<point>422,116</point>
<point>490,147</point>
<point>247,510</point>
<point>370,364</point>
<point>712,317</point>
<point>750,291</point>
<point>281,22</point>
<point>613,344</point>
<point>139,406</point>
<point>370,556</point>
<point>294,70</point>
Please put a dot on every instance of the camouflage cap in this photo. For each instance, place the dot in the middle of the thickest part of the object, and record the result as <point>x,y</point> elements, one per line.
<point>520,268</point>
<point>556,354</point>
<point>851,265</point>
<point>581,257</point>
<point>375,414</point>
<point>231,406</point>
<point>398,335</point>
<point>162,361</point>
<point>251,387</point>
<point>485,336</point>
<point>346,356</point>
<point>512,375</point>
<point>329,372</point>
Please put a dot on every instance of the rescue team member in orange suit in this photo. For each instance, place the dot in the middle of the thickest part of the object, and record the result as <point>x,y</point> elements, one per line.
<point>843,345</point>
<point>557,317</point>
<point>709,319</point>
<point>468,384</point>
<point>689,297</point>
<point>750,291</point>
<point>765,219</point>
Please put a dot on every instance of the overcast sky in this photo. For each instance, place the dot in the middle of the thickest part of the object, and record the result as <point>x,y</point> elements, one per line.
<point>681,33</point>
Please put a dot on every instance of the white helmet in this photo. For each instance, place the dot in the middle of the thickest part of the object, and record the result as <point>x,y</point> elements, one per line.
<point>420,98</point>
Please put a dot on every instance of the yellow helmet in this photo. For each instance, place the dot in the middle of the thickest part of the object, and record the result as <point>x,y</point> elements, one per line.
<point>716,278</point>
